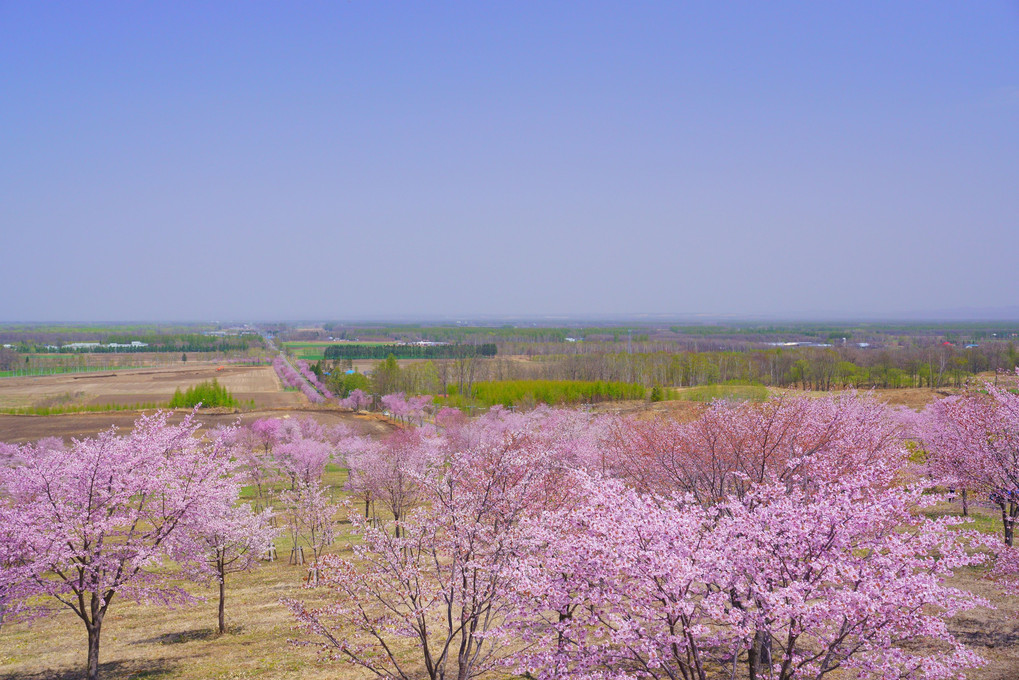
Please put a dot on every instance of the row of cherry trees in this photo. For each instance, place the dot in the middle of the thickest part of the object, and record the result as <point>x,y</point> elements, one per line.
<point>765,541</point>
<point>292,378</point>
<point>310,376</point>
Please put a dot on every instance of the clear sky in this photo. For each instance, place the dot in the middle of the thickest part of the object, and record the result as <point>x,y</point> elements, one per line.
<point>253,160</point>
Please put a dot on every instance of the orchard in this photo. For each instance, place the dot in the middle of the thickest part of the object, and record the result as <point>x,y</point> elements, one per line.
<point>790,539</point>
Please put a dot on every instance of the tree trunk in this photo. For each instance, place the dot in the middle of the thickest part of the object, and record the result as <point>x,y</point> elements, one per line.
<point>965,504</point>
<point>759,657</point>
<point>93,651</point>
<point>222,602</point>
<point>1013,512</point>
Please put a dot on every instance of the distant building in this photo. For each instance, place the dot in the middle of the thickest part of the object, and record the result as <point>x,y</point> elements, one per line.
<point>81,345</point>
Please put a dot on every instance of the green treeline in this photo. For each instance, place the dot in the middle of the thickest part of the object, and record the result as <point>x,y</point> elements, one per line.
<point>511,393</point>
<point>804,368</point>
<point>176,342</point>
<point>208,394</point>
<point>354,351</point>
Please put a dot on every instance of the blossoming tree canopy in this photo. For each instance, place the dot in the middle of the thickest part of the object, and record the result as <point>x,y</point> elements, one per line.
<point>973,441</point>
<point>101,518</point>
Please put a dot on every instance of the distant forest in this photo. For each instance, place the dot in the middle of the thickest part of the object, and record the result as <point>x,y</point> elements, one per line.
<point>457,351</point>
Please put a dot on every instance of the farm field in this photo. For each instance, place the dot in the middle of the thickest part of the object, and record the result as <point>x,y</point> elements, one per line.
<point>22,429</point>
<point>135,386</point>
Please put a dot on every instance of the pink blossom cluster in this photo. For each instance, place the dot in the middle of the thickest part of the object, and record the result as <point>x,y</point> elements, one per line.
<point>774,538</point>
<point>407,409</point>
<point>286,373</point>
<point>357,400</point>
<point>284,459</point>
<point>288,451</point>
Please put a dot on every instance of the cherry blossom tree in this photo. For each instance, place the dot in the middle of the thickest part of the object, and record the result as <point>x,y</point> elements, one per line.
<point>396,405</point>
<point>310,520</point>
<point>310,376</point>
<point>973,442</point>
<point>357,400</point>
<point>733,445</point>
<point>417,406</point>
<point>15,569</point>
<point>439,582</point>
<point>303,460</point>
<point>396,470</point>
<point>792,584</point>
<point>101,518</point>
<point>231,538</point>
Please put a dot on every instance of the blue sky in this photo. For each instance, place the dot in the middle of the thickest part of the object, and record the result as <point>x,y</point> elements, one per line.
<point>343,160</point>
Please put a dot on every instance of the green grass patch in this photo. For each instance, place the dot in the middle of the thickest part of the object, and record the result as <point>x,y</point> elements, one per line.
<point>315,350</point>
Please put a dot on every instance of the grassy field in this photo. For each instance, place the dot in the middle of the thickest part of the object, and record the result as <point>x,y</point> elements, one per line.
<point>61,370</point>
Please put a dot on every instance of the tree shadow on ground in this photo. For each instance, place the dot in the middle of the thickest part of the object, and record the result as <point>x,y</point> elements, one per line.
<point>111,670</point>
<point>184,636</point>
<point>991,636</point>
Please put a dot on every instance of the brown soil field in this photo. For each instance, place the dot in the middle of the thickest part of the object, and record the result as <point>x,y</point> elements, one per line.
<point>21,429</point>
<point>137,386</point>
